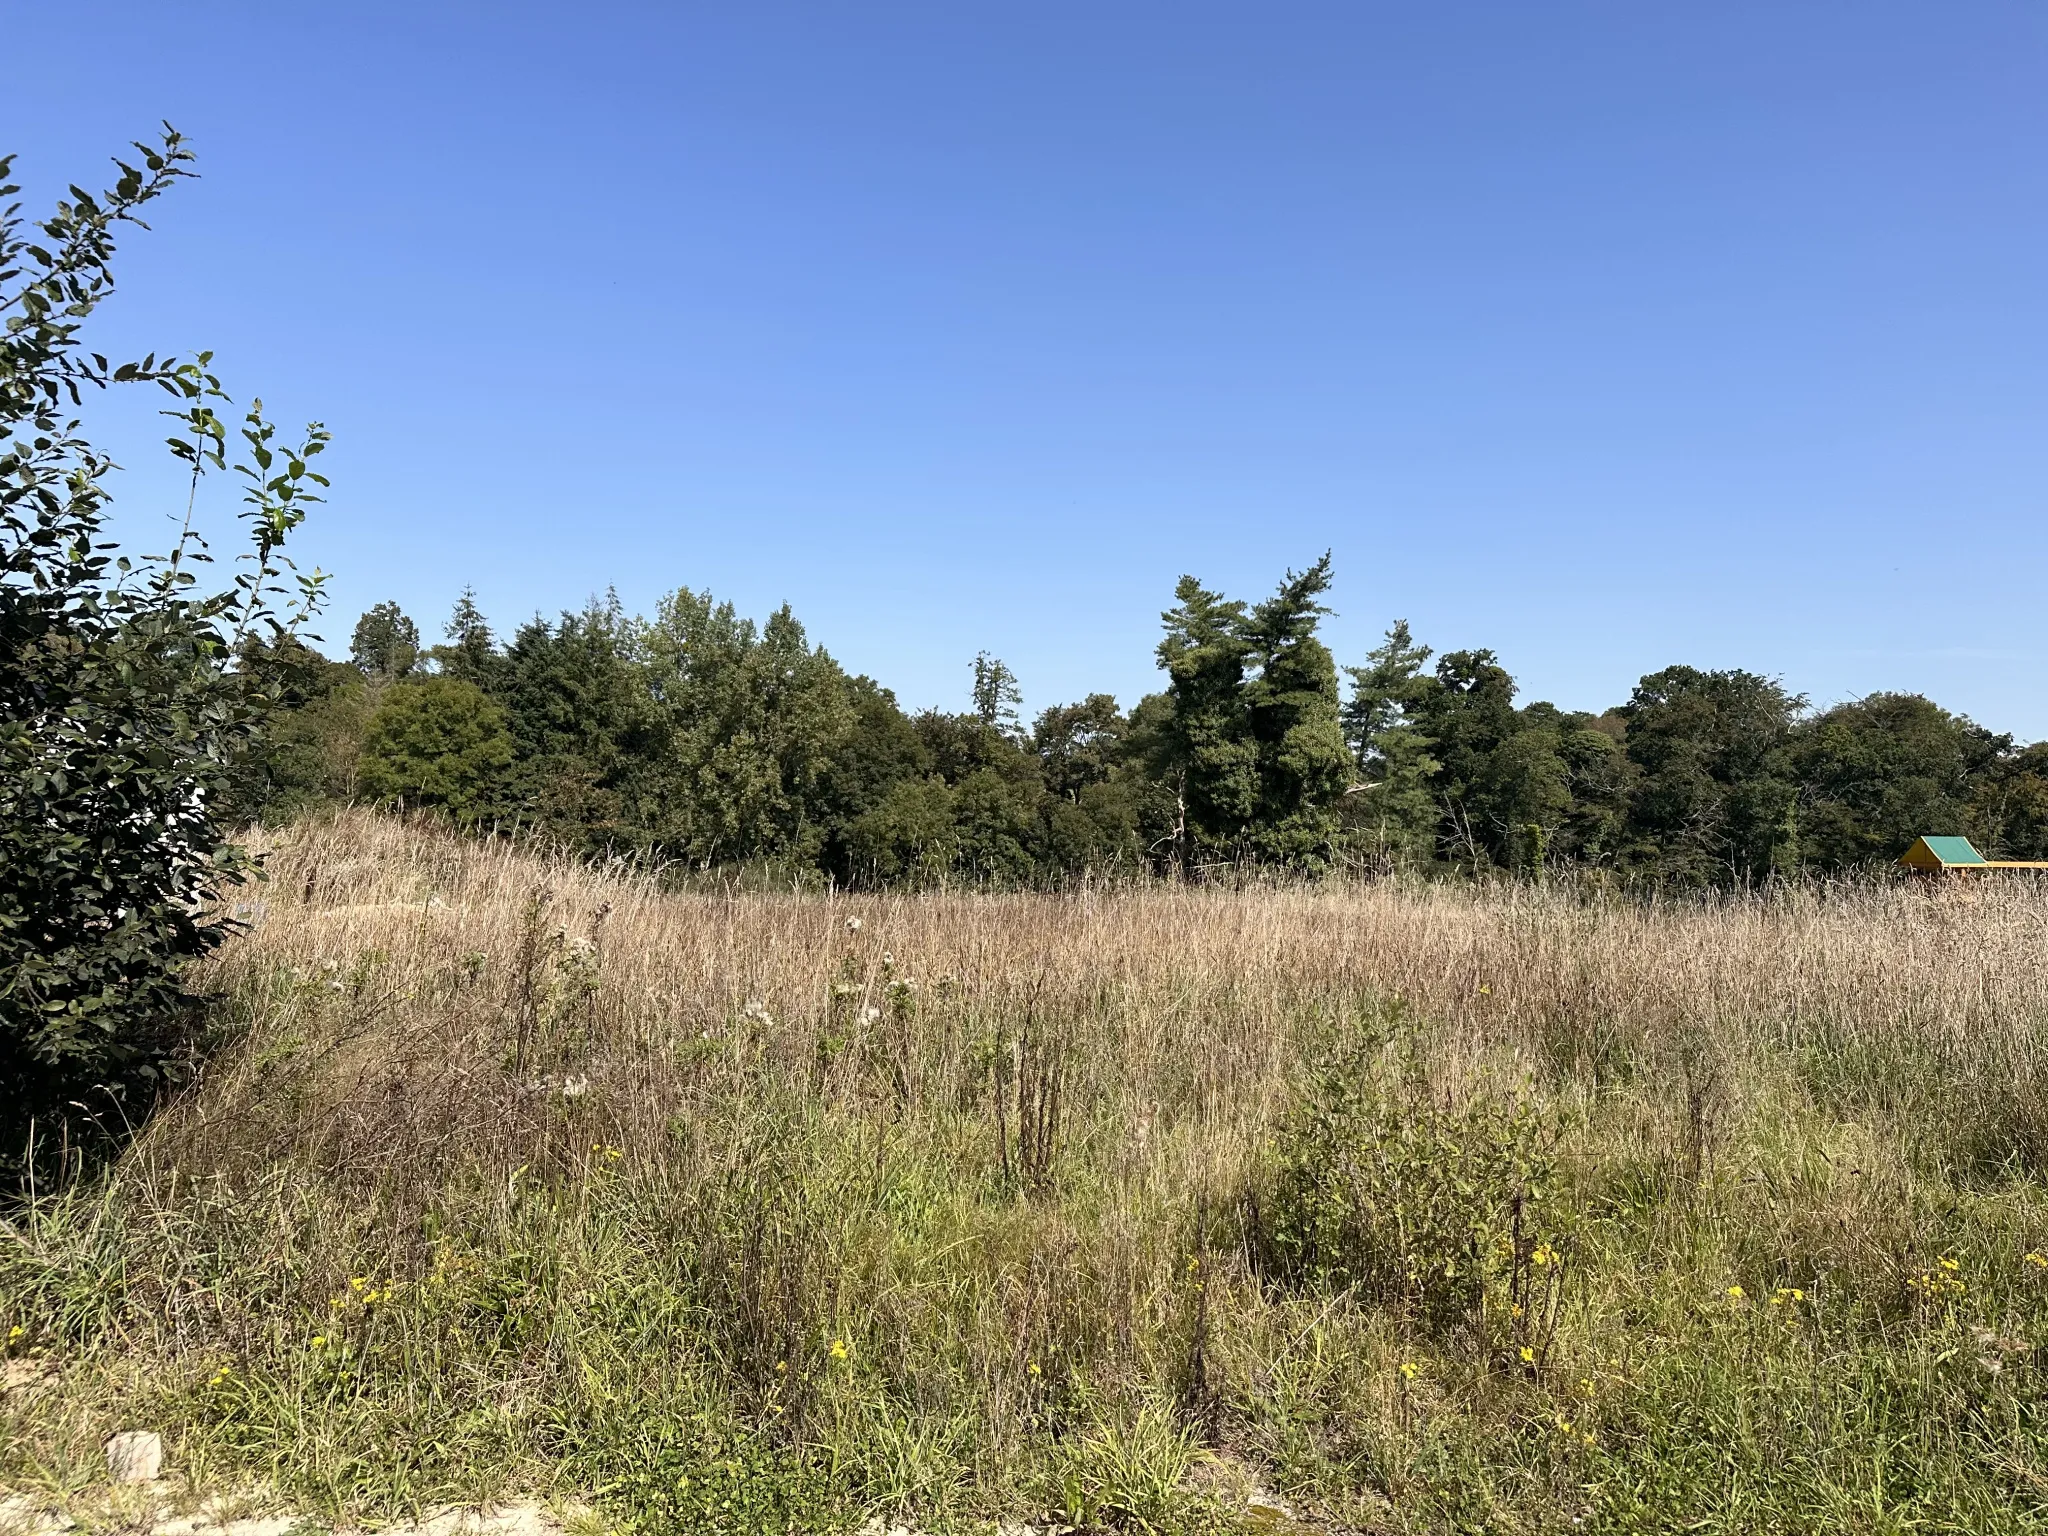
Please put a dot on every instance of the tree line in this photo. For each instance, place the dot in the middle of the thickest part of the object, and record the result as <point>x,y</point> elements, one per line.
<point>701,738</point>
<point>147,714</point>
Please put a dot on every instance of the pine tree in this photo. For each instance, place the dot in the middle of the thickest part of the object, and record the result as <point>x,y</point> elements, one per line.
<point>471,653</point>
<point>1292,709</point>
<point>1207,740</point>
<point>1396,809</point>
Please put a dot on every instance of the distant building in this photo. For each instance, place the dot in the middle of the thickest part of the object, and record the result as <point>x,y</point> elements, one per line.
<point>1938,855</point>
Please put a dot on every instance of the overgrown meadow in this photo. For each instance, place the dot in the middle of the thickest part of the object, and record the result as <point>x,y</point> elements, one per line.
<point>1420,1208</point>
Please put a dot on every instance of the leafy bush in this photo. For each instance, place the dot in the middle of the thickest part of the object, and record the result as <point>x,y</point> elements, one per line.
<point>437,741</point>
<point>122,711</point>
<point>1413,1198</point>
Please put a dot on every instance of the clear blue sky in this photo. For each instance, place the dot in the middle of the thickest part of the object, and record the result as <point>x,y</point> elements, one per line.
<point>1606,335</point>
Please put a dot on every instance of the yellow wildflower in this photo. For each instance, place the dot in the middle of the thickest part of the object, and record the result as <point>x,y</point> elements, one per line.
<point>1410,1370</point>
<point>1528,1355</point>
<point>839,1349</point>
<point>1736,1293</point>
<point>2037,1260</point>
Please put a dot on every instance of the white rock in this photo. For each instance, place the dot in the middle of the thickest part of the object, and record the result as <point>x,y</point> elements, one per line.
<point>22,1516</point>
<point>516,1519</point>
<point>135,1456</point>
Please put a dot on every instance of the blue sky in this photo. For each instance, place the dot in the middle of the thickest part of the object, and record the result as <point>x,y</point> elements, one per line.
<point>1606,335</point>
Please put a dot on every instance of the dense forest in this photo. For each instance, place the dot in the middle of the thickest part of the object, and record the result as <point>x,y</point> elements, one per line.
<point>702,739</point>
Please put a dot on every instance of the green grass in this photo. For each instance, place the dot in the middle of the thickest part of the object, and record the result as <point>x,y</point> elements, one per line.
<point>1131,1203</point>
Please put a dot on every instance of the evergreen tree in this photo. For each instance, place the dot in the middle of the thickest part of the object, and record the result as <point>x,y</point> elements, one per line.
<point>470,651</point>
<point>1292,705</point>
<point>579,719</point>
<point>1210,753</point>
<point>1396,808</point>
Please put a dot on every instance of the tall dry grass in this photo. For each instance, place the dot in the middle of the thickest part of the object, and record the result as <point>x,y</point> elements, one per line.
<point>960,1203</point>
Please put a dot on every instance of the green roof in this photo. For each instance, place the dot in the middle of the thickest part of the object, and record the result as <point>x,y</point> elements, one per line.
<point>1929,852</point>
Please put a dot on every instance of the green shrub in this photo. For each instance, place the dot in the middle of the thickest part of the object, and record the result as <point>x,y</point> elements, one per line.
<point>439,742</point>
<point>1424,1200</point>
<point>671,1473</point>
<point>122,711</point>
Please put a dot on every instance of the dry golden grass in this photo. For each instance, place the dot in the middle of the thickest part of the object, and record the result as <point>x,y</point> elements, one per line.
<point>1173,1007</point>
<point>957,1202</point>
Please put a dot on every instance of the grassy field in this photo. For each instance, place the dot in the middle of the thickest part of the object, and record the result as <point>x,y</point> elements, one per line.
<point>1422,1209</point>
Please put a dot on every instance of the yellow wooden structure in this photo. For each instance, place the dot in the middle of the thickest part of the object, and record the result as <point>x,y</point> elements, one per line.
<point>1940,855</point>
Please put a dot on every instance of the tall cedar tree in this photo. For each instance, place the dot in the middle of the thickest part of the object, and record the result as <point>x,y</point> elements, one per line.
<point>1395,809</point>
<point>579,721</point>
<point>1292,705</point>
<point>1208,747</point>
